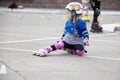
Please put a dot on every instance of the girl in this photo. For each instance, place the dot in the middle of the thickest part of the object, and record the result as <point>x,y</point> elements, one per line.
<point>75,36</point>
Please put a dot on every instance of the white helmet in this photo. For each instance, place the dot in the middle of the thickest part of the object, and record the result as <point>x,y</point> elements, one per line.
<point>75,6</point>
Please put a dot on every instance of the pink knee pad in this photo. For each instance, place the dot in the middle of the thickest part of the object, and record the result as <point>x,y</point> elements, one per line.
<point>80,53</point>
<point>59,45</point>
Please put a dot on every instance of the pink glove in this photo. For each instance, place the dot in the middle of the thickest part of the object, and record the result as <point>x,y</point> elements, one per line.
<point>85,41</point>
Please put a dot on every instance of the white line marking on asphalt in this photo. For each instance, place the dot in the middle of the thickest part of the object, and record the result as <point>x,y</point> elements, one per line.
<point>51,38</point>
<point>11,14</point>
<point>16,49</point>
<point>21,35</point>
<point>29,40</point>
<point>107,34</point>
<point>97,57</point>
<point>109,58</point>
<point>106,41</point>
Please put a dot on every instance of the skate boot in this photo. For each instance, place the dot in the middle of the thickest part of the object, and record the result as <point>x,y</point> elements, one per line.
<point>40,53</point>
<point>96,28</point>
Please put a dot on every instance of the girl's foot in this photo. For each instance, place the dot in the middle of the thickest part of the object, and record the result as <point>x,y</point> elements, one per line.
<point>39,53</point>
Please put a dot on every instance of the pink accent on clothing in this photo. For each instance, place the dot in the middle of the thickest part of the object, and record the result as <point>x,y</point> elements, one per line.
<point>47,49</point>
<point>85,40</point>
<point>59,45</point>
<point>42,51</point>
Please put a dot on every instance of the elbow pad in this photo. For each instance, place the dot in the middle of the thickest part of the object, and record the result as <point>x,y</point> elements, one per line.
<point>85,34</point>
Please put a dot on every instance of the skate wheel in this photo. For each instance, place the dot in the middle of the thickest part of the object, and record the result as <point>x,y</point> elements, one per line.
<point>36,54</point>
<point>85,51</point>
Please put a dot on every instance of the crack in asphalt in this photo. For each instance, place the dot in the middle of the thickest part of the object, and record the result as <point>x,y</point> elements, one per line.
<point>17,72</point>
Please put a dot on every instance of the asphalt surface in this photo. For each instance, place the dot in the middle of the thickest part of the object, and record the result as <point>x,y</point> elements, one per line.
<point>22,33</point>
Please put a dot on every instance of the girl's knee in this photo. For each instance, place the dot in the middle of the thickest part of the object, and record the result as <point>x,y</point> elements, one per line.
<point>59,45</point>
<point>80,52</point>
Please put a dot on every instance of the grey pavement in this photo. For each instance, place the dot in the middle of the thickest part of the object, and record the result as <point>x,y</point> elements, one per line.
<point>21,33</point>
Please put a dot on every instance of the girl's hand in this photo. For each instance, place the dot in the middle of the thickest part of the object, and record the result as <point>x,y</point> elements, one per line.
<point>85,41</point>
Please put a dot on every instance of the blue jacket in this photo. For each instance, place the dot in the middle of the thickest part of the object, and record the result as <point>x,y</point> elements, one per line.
<point>80,27</point>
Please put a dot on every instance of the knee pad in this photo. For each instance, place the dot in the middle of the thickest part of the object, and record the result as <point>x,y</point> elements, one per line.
<point>59,45</point>
<point>80,53</point>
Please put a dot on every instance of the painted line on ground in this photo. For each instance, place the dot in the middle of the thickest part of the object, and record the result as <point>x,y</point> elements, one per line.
<point>108,58</point>
<point>105,41</point>
<point>107,34</point>
<point>13,49</point>
<point>51,38</point>
<point>97,57</point>
<point>11,14</point>
<point>15,34</point>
